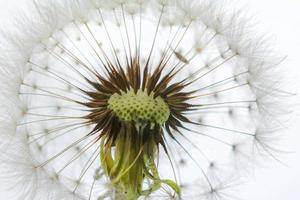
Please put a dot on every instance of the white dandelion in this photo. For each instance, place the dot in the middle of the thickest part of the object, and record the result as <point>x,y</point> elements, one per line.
<point>133,99</point>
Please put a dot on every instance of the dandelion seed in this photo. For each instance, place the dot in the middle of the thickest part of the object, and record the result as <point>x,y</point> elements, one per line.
<point>132,99</point>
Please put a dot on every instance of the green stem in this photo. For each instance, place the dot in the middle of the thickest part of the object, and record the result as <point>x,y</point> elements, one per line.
<point>131,163</point>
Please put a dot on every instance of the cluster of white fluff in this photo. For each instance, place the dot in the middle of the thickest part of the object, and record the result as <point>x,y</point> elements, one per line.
<point>228,62</point>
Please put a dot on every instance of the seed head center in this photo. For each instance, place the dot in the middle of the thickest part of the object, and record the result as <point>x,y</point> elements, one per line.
<point>139,107</point>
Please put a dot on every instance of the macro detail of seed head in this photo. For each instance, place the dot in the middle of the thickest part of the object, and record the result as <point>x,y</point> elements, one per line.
<point>136,99</point>
<point>139,107</point>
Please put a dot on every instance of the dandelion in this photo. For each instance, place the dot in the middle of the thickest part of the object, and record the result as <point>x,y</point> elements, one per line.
<point>133,99</point>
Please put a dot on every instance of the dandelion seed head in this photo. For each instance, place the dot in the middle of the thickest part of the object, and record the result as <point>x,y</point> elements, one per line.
<point>135,99</point>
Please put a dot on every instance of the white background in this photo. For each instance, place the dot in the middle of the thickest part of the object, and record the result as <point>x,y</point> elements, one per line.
<point>281,18</point>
